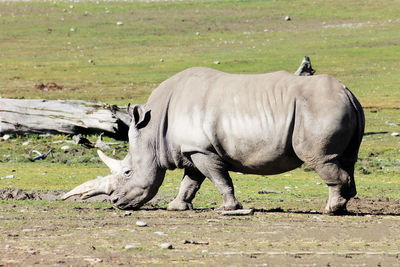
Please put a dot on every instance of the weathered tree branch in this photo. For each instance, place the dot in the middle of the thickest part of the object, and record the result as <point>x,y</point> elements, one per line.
<point>21,116</point>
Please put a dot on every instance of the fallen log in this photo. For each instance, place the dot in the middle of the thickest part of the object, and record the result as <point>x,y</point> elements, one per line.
<point>39,116</point>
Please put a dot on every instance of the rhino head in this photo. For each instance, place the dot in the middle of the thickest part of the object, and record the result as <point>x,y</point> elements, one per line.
<point>135,179</point>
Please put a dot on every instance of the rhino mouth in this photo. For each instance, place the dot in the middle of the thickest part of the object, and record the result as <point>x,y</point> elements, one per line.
<point>125,204</point>
<point>127,207</point>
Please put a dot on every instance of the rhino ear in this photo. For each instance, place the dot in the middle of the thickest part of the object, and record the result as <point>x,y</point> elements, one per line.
<point>140,117</point>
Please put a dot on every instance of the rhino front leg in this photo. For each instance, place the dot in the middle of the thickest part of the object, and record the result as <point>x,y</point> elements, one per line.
<point>190,184</point>
<point>214,169</point>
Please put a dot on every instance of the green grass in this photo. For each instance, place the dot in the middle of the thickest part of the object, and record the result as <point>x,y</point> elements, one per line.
<point>357,42</point>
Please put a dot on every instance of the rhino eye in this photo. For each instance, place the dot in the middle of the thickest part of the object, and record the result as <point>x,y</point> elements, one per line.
<point>127,172</point>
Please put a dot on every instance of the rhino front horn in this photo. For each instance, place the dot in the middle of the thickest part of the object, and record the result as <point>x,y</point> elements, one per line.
<point>104,185</point>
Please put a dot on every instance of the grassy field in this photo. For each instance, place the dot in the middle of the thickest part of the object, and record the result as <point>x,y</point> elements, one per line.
<point>44,41</point>
<point>80,46</point>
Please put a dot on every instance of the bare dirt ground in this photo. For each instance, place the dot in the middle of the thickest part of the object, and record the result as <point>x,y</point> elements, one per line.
<point>54,233</point>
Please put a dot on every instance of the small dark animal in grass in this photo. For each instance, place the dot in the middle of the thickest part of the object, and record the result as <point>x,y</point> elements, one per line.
<point>80,140</point>
<point>40,156</point>
<point>210,122</point>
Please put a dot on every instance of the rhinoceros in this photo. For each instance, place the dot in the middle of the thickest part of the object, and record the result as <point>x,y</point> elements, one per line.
<point>209,122</point>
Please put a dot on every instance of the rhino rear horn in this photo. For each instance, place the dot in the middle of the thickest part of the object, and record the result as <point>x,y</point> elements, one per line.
<point>104,185</point>
<point>113,164</point>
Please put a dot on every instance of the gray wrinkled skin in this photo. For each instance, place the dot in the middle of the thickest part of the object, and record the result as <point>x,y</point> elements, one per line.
<point>210,122</point>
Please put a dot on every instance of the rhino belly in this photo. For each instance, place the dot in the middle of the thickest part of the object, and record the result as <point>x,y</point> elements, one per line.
<point>262,161</point>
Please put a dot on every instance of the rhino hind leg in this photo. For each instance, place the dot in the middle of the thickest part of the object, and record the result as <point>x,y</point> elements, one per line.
<point>212,167</point>
<point>190,184</point>
<point>340,180</point>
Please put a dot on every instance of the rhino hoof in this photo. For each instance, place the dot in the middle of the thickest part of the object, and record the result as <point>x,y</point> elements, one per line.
<point>179,205</point>
<point>340,211</point>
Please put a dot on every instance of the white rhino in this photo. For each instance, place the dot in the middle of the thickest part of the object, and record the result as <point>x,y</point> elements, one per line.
<point>209,123</point>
